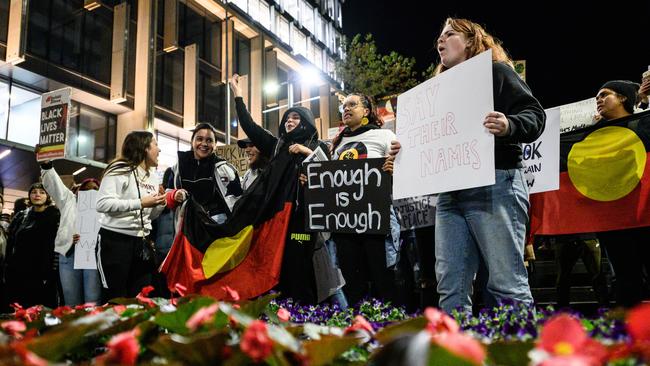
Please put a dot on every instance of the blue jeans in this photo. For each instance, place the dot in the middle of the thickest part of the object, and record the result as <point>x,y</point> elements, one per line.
<point>489,223</point>
<point>79,285</point>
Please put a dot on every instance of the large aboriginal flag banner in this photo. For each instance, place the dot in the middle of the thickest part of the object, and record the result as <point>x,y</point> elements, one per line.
<point>244,253</point>
<point>604,180</point>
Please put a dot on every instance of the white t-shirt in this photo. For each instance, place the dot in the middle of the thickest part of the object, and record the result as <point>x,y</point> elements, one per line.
<point>370,144</point>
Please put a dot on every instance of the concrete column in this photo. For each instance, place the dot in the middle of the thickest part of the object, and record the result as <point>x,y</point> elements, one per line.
<point>16,32</point>
<point>257,78</point>
<point>190,95</point>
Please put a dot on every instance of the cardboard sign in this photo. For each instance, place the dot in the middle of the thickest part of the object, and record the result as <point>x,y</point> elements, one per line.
<point>348,196</point>
<point>445,146</point>
<point>541,158</point>
<point>55,115</point>
<point>87,227</point>
<point>574,116</point>
<point>235,156</point>
<point>416,212</point>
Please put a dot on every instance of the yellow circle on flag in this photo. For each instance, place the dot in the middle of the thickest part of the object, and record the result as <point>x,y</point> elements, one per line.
<point>608,164</point>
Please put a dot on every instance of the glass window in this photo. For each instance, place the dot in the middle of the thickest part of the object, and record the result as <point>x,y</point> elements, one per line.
<point>4,20</point>
<point>73,38</point>
<point>4,101</point>
<point>283,29</point>
<point>298,42</point>
<point>242,55</point>
<point>211,97</point>
<point>170,70</point>
<point>265,15</point>
<point>24,116</point>
<point>168,151</point>
<point>91,133</point>
<point>318,27</point>
<point>307,16</point>
<point>242,4</point>
<point>291,6</point>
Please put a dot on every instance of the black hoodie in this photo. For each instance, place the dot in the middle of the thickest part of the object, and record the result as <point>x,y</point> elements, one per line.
<point>305,133</point>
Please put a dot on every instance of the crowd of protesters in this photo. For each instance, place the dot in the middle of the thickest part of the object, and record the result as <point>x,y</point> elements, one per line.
<point>477,242</point>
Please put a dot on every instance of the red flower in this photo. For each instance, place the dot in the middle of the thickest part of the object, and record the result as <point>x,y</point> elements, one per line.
<point>143,296</point>
<point>14,327</point>
<point>123,349</point>
<point>85,306</point>
<point>28,314</point>
<point>359,324</point>
<point>283,315</point>
<point>231,295</point>
<point>180,289</point>
<point>202,316</point>
<point>28,357</point>
<point>638,326</point>
<point>255,341</point>
<point>440,322</point>
<point>119,309</point>
<point>461,345</point>
<point>61,311</point>
<point>563,336</point>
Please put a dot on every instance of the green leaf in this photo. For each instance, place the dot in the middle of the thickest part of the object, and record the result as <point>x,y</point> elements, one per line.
<point>509,353</point>
<point>67,337</point>
<point>196,349</point>
<point>175,320</point>
<point>325,350</point>
<point>256,307</point>
<point>393,331</point>
<point>439,356</point>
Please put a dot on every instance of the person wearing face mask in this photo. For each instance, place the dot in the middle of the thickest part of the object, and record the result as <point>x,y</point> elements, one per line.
<point>127,201</point>
<point>297,139</point>
<point>31,279</point>
<point>79,285</point>
<point>210,179</point>
<point>256,162</point>
<point>488,223</point>
<point>628,249</point>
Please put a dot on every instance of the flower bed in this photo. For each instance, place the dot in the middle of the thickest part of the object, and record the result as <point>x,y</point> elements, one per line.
<point>195,330</point>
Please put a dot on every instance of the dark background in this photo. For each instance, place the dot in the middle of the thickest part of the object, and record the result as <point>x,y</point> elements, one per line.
<point>570,48</point>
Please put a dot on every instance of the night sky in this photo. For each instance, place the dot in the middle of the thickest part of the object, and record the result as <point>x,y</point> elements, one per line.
<point>570,50</point>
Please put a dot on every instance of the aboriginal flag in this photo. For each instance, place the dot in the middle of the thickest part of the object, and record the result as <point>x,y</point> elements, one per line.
<point>604,180</point>
<point>246,251</point>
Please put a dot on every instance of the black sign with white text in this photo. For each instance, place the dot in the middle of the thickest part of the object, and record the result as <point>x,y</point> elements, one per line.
<point>348,196</point>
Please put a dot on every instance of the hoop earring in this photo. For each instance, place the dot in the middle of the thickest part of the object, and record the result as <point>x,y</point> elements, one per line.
<point>364,121</point>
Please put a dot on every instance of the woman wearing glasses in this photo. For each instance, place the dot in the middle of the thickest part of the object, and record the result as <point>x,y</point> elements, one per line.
<point>362,257</point>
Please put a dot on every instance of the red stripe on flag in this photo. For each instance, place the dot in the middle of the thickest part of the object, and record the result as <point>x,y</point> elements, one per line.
<point>187,268</point>
<point>567,211</point>
<point>257,274</point>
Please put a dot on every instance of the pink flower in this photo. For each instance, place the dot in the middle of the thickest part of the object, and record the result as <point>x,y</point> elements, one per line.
<point>255,341</point>
<point>14,328</point>
<point>440,322</point>
<point>85,306</point>
<point>123,349</point>
<point>202,316</point>
<point>638,326</point>
<point>568,361</point>
<point>28,357</point>
<point>461,345</point>
<point>359,324</point>
<point>143,298</point>
<point>119,309</point>
<point>231,295</point>
<point>61,311</point>
<point>283,315</point>
<point>565,340</point>
<point>180,289</point>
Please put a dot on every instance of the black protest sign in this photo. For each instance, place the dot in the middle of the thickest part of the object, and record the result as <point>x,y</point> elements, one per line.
<point>55,107</point>
<point>348,196</point>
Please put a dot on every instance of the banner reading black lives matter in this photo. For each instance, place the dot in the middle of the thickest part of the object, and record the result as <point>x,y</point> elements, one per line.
<point>348,196</point>
<point>55,114</point>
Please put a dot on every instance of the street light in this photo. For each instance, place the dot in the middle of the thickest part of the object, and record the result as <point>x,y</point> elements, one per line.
<point>5,153</point>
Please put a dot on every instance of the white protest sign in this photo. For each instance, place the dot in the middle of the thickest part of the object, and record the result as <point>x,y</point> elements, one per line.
<point>87,227</point>
<point>416,212</point>
<point>541,158</point>
<point>574,116</point>
<point>445,146</point>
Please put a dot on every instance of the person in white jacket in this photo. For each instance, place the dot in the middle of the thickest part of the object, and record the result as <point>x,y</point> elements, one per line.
<point>79,285</point>
<point>128,199</point>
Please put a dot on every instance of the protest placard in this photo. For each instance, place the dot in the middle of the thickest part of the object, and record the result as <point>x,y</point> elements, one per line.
<point>55,114</point>
<point>87,227</point>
